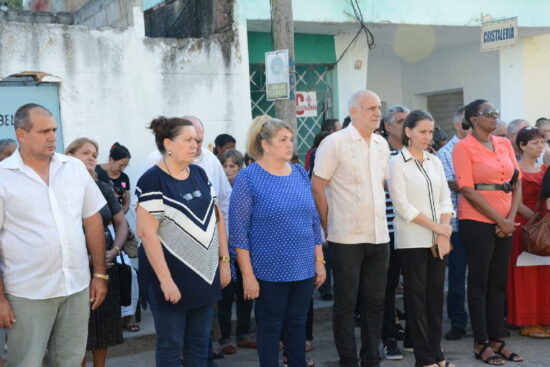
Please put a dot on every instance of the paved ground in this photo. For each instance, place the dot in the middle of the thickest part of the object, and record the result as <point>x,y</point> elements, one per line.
<point>138,351</point>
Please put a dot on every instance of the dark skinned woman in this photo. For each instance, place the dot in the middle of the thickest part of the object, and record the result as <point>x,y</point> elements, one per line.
<point>487,174</point>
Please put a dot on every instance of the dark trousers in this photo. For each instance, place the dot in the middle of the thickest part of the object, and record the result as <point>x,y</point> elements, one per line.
<point>392,281</point>
<point>488,257</point>
<point>424,279</point>
<point>282,309</point>
<point>456,295</point>
<point>359,268</point>
<point>326,287</point>
<point>309,322</point>
<point>244,309</point>
<point>187,331</point>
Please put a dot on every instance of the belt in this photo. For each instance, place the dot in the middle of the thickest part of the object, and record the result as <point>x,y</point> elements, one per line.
<point>506,187</point>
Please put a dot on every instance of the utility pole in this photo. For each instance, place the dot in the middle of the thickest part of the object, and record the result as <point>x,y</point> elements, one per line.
<point>282,26</point>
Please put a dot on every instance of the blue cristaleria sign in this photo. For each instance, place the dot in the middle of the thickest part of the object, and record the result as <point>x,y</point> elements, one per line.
<point>498,34</point>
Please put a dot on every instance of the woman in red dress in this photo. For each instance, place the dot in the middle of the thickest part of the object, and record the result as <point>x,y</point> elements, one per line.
<point>528,287</point>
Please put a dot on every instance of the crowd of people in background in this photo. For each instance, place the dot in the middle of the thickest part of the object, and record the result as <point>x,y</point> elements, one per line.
<point>379,198</point>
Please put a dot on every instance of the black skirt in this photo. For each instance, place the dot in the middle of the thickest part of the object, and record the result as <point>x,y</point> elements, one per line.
<point>105,324</point>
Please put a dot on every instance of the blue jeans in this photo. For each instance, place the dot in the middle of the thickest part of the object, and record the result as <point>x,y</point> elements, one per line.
<point>186,330</point>
<point>282,309</point>
<point>456,295</point>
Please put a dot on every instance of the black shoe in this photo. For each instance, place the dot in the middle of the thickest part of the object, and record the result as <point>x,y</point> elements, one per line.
<point>399,332</point>
<point>407,345</point>
<point>327,296</point>
<point>455,333</point>
<point>392,351</point>
<point>357,319</point>
<point>217,354</point>
<point>401,316</point>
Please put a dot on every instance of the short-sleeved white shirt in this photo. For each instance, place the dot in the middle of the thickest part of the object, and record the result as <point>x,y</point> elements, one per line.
<point>42,245</point>
<point>356,172</point>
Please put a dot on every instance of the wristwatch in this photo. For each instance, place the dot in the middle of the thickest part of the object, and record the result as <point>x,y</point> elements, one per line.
<point>102,276</point>
<point>224,259</point>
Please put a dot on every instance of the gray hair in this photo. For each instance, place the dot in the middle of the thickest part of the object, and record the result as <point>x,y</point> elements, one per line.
<point>514,126</point>
<point>389,115</point>
<point>263,128</point>
<point>6,143</point>
<point>502,123</point>
<point>542,122</point>
<point>22,118</point>
<point>352,102</point>
<point>458,114</point>
<point>236,156</point>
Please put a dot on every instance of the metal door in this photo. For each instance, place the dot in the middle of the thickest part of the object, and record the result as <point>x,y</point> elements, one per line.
<point>15,92</point>
<point>310,77</point>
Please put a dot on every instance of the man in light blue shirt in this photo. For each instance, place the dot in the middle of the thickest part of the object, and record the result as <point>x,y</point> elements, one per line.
<point>456,295</point>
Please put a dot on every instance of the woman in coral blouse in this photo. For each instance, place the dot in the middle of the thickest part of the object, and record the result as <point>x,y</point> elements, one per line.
<point>486,169</point>
<point>528,288</point>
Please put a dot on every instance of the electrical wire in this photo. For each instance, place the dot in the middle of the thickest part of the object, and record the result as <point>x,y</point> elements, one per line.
<point>358,15</point>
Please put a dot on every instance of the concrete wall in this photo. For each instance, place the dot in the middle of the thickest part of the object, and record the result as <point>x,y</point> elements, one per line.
<point>431,12</point>
<point>113,81</point>
<point>524,75</point>
<point>463,67</point>
<point>27,16</point>
<point>385,76</point>
<point>351,69</point>
<point>106,13</point>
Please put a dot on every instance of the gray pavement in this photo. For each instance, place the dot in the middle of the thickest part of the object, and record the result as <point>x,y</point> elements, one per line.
<point>138,350</point>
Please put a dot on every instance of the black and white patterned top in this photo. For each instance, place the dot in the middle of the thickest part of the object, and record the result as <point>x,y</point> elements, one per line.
<point>188,233</point>
<point>389,206</point>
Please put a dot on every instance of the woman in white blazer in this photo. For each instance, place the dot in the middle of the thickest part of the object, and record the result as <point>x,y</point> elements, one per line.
<point>423,207</point>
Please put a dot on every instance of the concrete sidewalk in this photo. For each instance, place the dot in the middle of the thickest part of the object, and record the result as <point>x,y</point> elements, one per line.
<point>138,350</point>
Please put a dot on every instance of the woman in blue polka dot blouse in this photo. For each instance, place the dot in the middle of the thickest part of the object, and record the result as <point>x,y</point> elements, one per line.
<point>275,230</point>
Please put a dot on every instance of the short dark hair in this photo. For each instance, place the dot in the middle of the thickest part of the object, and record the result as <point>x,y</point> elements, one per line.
<point>221,140</point>
<point>22,119</point>
<point>526,134</point>
<point>248,160</point>
<point>329,125</point>
<point>412,120</point>
<point>346,122</point>
<point>167,128</point>
<point>118,152</point>
<point>319,138</point>
<point>471,110</point>
<point>6,143</point>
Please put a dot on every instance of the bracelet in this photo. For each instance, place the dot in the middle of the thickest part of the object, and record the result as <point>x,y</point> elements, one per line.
<point>320,259</point>
<point>117,250</point>
<point>102,276</point>
<point>224,259</point>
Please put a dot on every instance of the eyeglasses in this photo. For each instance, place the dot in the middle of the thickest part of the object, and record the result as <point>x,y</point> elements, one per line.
<point>490,113</point>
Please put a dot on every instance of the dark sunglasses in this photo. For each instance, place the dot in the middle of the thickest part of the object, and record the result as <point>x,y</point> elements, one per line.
<point>490,113</point>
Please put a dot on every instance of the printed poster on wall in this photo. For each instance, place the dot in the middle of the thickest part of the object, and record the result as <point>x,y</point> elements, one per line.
<point>306,104</point>
<point>277,85</point>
